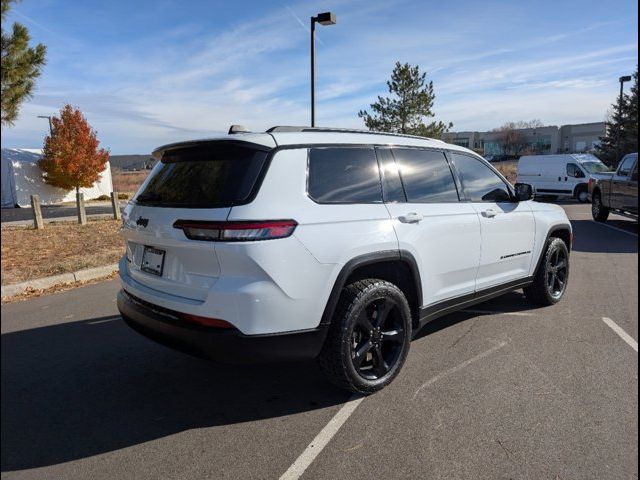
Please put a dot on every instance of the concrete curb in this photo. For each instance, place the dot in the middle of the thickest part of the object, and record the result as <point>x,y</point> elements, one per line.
<point>9,291</point>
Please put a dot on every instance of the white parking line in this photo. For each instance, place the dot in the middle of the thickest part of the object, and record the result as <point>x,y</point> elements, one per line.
<point>306,458</point>
<point>103,321</point>
<point>621,333</point>
<point>316,446</point>
<point>496,312</point>
<point>457,368</point>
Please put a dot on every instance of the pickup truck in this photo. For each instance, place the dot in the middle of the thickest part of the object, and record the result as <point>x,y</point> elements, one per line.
<point>615,191</point>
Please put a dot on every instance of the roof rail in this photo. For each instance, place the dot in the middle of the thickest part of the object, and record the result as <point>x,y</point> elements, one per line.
<point>288,129</point>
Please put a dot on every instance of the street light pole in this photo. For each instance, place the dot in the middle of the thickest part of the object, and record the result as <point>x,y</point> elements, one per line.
<point>313,71</point>
<point>48,118</point>
<point>326,18</point>
<point>622,80</point>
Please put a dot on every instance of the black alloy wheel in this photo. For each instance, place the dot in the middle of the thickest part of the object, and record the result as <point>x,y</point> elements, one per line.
<point>369,336</point>
<point>552,277</point>
<point>557,270</point>
<point>377,338</point>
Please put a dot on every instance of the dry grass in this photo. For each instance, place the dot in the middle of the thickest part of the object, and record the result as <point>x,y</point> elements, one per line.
<point>58,248</point>
<point>128,182</point>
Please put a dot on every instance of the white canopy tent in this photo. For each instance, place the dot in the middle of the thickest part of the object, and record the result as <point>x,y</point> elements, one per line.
<point>21,178</point>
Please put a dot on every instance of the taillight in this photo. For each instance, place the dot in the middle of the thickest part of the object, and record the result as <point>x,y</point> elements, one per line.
<point>236,231</point>
<point>206,321</point>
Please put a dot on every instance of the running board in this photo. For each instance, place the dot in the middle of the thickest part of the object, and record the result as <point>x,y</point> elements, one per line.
<point>440,309</point>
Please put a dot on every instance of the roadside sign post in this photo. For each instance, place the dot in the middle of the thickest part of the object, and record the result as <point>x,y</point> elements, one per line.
<point>38,223</point>
<point>116,206</point>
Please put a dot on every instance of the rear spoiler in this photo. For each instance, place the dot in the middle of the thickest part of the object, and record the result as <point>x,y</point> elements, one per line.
<point>159,152</point>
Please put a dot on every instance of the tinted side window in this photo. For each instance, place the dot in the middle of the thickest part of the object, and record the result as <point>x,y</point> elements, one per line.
<point>625,166</point>
<point>480,183</point>
<point>344,175</point>
<point>426,176</point>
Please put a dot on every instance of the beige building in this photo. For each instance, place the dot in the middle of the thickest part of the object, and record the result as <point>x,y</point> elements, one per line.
<point>543,140</point>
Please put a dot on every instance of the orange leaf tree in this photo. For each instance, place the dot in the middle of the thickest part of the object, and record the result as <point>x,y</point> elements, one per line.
<point>71,157</point>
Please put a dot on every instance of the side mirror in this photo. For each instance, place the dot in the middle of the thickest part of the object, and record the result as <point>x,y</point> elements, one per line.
<point>524,192</point>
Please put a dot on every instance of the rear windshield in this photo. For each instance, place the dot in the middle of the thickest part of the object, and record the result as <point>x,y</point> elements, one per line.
<point>204,176</point>
<point>595,167</point>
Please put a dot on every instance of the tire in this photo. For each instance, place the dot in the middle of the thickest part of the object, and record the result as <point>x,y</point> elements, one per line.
<point>369,337</point>
<point>582,194</point>
<point>599,212</point>
<point>552,277</point>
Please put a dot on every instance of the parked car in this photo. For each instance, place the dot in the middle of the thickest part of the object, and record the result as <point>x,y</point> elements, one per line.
<point>616,191</point>
<point>564,175</point>
<point>299,243</point>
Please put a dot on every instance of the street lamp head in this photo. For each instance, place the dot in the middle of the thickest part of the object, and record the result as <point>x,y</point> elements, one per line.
<point>326,18</point>
<point>626,78</point>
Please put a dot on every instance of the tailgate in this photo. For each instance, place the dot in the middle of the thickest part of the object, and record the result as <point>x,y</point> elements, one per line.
<point>190,268</point>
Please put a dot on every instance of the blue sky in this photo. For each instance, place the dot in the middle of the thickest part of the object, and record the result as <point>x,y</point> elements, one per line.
<point>147,73</point>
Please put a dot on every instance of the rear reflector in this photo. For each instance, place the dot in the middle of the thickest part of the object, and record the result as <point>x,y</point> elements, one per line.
<point>236,231</point>
<point>207,322</point>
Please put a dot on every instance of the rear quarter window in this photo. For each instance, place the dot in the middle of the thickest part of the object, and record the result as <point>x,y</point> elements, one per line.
<point>344,175</point>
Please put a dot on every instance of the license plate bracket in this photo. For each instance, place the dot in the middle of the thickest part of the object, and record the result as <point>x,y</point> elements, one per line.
<point>153,260</point>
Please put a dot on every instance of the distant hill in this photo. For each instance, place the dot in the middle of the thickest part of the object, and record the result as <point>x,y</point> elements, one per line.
<point>132,162</point>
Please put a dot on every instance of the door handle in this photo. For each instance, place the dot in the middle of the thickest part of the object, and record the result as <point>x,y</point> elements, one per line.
<point>489,213</point>
<point>412,217</point>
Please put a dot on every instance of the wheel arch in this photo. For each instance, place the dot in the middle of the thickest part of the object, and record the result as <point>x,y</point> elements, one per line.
<point>396,266</point>
<point>596,189</point>
<point>580,187</point>
<point>562,231</point>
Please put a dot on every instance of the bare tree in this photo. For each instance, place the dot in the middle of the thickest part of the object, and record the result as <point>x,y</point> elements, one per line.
<point>535,123</point>
<point>512,139</point>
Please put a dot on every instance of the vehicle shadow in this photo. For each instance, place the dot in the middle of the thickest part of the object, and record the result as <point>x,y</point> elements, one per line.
<point>79,389</point>
<point>512,302</point>
<point>589,236</point>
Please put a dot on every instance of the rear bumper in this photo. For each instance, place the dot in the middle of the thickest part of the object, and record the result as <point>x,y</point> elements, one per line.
<point>227,346</point>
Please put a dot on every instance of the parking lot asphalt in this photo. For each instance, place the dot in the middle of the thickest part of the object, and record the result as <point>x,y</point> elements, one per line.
<point>504,390</point>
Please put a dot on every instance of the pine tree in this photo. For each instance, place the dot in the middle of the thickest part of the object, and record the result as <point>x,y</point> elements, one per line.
<point>71,157</point>
<point>405,111</point>
<point>621,127</point>
<point>21,65</point>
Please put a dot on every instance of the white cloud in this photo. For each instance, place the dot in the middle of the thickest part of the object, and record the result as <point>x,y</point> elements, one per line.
<point>187,82</point>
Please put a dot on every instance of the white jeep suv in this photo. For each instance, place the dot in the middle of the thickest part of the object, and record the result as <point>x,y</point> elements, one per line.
<point>303,242</point>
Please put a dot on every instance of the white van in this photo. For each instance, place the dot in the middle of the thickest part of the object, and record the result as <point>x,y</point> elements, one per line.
<point>565,175</point>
